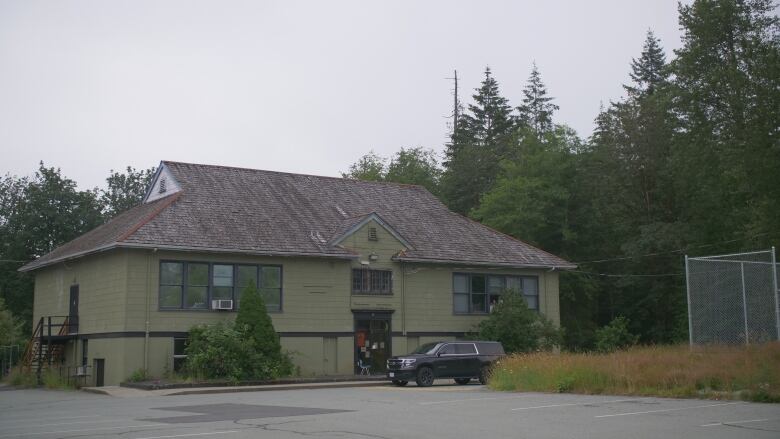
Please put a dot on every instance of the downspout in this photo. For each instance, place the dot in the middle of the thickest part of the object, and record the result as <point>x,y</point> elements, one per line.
<point>148,304</point>
<point>546,295</point>
<point>403,299</point>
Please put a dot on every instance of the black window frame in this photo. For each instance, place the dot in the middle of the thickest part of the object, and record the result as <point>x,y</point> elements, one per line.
<point>235,289</point>
<point>367,282</point>
<point>488,295</point>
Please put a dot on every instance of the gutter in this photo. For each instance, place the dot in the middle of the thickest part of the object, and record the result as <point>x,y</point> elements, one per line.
<point>550,267</point>
<point>32,266</point>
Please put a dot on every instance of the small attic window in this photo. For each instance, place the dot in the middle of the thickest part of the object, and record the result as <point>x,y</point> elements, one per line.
<point>161,188</point>
<point>372,236</point>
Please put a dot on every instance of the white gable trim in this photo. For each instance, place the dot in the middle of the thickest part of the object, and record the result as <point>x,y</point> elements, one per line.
<point>163,184</point>
<point>378,219</point>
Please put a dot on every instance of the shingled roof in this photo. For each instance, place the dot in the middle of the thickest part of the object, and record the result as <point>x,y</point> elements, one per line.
<point>236,210</point>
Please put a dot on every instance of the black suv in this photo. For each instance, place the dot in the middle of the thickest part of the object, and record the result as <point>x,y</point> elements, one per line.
<point>462,360</point>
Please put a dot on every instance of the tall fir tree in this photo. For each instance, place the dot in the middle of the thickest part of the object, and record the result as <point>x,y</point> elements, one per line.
<point>649,71</point>
<point>727,89</point>
<point>482,139</point>
<point>537,109</point>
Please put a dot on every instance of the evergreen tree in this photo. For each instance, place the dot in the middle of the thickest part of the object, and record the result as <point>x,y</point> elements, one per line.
<point>537,109</point>
<point>727,89</point>
<point>483,138</point>
<point>649,72</point>
<point>254,322</point>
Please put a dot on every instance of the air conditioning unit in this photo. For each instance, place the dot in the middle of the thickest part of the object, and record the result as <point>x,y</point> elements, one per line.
<point>221,304</point>
<point>81,371</point>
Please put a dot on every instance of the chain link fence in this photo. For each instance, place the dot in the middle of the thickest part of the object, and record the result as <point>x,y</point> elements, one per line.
<point>733,299</point>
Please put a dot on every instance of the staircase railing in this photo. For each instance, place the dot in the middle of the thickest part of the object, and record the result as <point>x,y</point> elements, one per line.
<point>34,353</point>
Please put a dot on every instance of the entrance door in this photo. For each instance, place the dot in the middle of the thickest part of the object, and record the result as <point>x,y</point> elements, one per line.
<point>73,315</point>
<point>100,371</point>
<point>372,340</point>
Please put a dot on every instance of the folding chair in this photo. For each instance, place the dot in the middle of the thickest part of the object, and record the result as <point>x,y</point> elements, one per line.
<point>364,368</point>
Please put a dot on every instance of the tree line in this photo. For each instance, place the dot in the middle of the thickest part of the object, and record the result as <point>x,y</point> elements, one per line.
<point>41,212</point>
<point>686,162</point>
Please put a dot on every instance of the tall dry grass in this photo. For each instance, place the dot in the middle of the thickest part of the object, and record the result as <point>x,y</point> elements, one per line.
<point>717,372</point>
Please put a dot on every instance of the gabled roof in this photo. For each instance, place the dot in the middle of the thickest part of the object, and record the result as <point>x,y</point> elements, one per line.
<point>351,225</point>
<point>237,210</point>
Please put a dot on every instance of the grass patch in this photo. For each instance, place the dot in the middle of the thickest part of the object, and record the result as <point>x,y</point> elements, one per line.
<point>717,372</point>
<point>50,379</point>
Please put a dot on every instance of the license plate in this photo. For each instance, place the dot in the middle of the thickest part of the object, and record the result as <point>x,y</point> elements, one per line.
<point>391,374</point>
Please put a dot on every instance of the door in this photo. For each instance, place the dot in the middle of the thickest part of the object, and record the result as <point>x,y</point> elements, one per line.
<point>100,371</point>
<point>448,363</point>
<point>73,314</point>
<point>372,340</point>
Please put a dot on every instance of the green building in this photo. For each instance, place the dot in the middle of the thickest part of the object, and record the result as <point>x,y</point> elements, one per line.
<point>349,270</point>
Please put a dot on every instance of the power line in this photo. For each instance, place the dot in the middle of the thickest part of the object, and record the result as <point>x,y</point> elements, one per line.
<point>681,250</point>
<point>627,275</point>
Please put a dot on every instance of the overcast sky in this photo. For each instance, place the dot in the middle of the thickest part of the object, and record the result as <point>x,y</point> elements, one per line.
<point>307,87</point>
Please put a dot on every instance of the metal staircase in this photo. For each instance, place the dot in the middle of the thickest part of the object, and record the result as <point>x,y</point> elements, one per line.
<point>47,344</point>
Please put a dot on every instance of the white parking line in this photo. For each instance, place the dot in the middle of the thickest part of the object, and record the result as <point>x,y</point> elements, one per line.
<point>76,431</point>
<point>17,420</point>
<point>62,423</point>
<point>572,404</point>
<point>190,434</point>
<point>734,422</point>
<point>451,401</point>
<point>667,410</point>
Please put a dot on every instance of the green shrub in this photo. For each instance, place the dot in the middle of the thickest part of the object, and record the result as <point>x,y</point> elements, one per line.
<point>518,328</point>
<point>615,336</point>
<point>138,375</point>
<point>248,349</point>
<point>219,351</point>
<point>52,380</point>
<point>21,378</point>
<point>10,327</point>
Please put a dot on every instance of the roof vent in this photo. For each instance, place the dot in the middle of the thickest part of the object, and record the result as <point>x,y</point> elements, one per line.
<point>372,234</point>
<point>161,189</point>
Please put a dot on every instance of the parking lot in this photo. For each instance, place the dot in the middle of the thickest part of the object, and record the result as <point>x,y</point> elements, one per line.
<point>444,410</point>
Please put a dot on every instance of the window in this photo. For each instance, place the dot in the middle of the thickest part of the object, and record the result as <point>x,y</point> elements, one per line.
<point>222,281</point>
<point>193,285</point>
<point>171,284</point>
<point>448,349</point>
<point>479,293</point>
<point>271,287</point>
<point>179,353</point>
<point>196,295</point>
<point>465,349</point>
<point>84,351</point>
<point>365,281</point>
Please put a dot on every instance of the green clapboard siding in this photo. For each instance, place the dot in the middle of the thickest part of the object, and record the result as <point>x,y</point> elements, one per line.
<point>119,294</point>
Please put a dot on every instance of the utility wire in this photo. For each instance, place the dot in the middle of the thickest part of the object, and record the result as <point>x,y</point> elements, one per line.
<point>682,250</point>
<point>627,275</point>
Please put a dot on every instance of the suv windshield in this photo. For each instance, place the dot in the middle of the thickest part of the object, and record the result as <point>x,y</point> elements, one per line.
<point>426,349</point>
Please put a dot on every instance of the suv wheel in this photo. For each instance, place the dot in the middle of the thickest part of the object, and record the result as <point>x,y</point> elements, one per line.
<point>425,376</point>
<point>462,381</point>
<point>484,372</point>
<point>400,383</point>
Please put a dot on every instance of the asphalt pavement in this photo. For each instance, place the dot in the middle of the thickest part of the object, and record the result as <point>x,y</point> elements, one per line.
<point>445,410</point>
